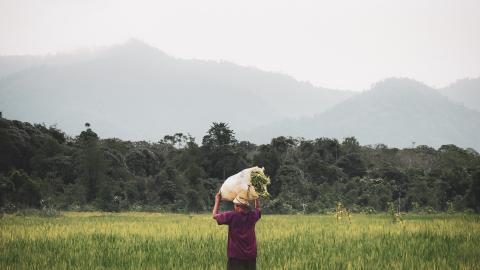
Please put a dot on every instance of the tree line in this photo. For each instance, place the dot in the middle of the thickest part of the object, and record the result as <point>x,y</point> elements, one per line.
<point>43,167</point>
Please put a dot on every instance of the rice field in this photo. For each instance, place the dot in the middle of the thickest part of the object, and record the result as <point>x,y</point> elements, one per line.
<point>96,240</point>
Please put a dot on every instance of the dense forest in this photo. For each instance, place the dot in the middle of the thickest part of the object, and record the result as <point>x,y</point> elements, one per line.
<point>43,167</point>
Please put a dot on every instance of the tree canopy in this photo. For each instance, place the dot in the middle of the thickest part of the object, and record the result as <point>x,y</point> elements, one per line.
<point>41,164</point>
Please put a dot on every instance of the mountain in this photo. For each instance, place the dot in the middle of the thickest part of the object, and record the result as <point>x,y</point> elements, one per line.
<point>395,112</point>
<point>465,92</point>
<point>12,64</point>
<point>135,91</point>
<point>16,63</point>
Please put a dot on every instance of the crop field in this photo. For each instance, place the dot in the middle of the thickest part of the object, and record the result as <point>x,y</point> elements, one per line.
<point>96,240</point>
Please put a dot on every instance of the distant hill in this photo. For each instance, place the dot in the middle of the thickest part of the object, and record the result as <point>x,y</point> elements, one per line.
<point>12,64</point>
<point>466,92</point>
<point>134,91</point>
<point>395,112</point>
<point>16,63</point>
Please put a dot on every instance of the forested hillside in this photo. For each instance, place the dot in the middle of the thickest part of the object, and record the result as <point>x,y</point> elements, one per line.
<point>395,112</point>
<point>154,92</point>
<point>40,166</point>
<point>465,92</point>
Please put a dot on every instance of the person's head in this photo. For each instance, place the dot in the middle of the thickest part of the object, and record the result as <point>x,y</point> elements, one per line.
<point>240,204</point>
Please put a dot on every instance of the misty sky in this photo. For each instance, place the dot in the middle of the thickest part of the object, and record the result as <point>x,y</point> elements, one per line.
<point>335,44</point>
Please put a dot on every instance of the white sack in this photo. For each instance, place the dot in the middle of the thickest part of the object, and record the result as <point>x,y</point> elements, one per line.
<point>240,184</point>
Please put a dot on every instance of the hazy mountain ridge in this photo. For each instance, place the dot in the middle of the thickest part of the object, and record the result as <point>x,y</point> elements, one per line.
<point>135,91</point>
<point>465,92</point>
<point>11,64</point>
<point>396,112</point>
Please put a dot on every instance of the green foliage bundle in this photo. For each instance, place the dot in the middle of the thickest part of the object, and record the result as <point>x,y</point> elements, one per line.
<point>260,182</point>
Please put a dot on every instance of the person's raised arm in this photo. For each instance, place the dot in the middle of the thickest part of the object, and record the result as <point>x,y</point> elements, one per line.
<point>257,203</point>
<point>217,204</point>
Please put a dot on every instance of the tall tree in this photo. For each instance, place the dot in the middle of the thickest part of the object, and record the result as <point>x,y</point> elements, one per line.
<point>219,136</point>
<point>92,164</point>
<point>222,159</point>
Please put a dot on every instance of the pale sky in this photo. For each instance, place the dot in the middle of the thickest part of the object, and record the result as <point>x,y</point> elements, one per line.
<point>334,44</point>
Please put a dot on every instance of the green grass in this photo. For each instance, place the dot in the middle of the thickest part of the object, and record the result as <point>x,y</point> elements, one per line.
<point>173,241</point>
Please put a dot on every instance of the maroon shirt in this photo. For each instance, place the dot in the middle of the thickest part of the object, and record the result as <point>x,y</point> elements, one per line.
<point>242,243</point>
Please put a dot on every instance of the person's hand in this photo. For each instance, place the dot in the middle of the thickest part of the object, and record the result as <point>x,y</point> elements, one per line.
<point>218,197</point>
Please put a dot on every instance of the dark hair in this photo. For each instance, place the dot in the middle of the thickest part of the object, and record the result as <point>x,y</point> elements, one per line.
<point>243,206</point>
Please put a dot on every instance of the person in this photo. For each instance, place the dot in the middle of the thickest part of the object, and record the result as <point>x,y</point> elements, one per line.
<point>242,243</point>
